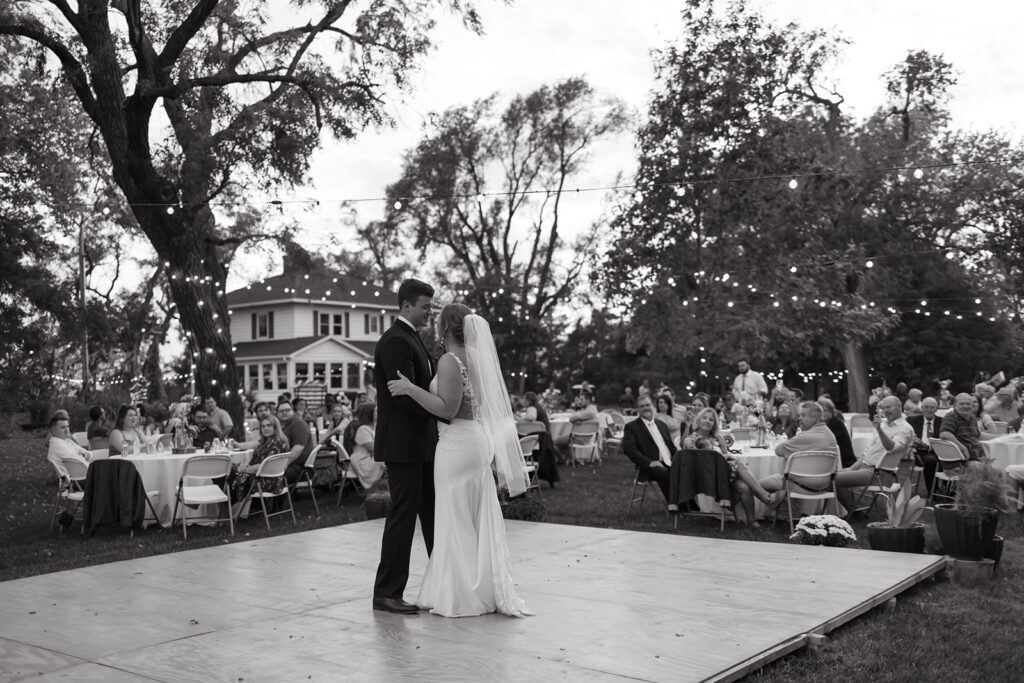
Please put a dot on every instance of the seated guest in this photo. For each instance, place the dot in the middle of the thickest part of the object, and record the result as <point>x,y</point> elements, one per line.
<point>218,419</point>
<point>647,442</point>
<point>706,437</point>
<point>837,425</point>
<point>96,431</point>
<point>814,436</point>
<point>664,413</point>
<point>784,422</point>
<point>584,409</point>
<point>892,435</point>
<point>146,422</point>
<point>126,434</point>
<point>262,410</point>
<point>358,441</point>
<point>299,439</point>
<point>627,402</point>
<point>205,433</point>
<point>302,410</point>
<point>533,411</point>
<point>339,418</point>
<point>1015,478</point>
<point>362,398</point>
<point>926,427</point>
<point>984,420</point>
<point>913,403</point>
<point>960,426</point>
<point>1004,406</point>
<point>985,391</point>
<point>271,442</point>
<point>62,445</point>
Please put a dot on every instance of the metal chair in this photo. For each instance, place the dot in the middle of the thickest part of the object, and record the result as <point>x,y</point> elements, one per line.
<point>808,475</point>
<point>305,480</point>
<point>270,470</point>
<point>583,442</point>
<point>643,482</point>
<point>194,488</point>
<point>525,428</point>
<point>69,489</point>
<point>82,439</point>
<point>890,462</point>
<point>861,422</point>
<point>346,474</point>
<point>948,470</point>
<point>528,444</point>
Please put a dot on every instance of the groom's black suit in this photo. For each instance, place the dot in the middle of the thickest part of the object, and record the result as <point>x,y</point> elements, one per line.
<point>405,439</point>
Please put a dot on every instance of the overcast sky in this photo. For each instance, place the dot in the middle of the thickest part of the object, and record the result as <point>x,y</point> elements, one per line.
<point>534,42</point>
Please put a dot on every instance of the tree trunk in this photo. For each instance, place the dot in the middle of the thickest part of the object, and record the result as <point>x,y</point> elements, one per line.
<point>857,376</point>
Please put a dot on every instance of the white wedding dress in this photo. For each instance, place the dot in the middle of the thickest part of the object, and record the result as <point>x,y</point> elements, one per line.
<point>470,569</point>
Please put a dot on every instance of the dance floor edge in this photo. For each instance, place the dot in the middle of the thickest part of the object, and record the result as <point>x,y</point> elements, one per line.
<point>611,605</point>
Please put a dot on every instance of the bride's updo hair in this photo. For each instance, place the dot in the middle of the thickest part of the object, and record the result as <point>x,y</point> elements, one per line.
<point>451,320</point>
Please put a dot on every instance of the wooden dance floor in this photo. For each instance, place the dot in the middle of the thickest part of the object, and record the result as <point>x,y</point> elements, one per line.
<point>611,605</point>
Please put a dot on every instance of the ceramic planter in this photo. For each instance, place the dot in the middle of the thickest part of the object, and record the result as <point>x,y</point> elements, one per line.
<point>965,533</point>
<point>900,539</point>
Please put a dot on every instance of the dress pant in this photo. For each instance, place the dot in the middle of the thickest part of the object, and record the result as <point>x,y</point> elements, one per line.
<point>930,463</point>
<point>663,477</point>
<point>412,494</point>
<point>850,481</point>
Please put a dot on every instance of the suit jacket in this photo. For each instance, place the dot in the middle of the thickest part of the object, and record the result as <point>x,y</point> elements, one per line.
<point>917,424</point>
<point>406,432</point>
<point>639,446</point>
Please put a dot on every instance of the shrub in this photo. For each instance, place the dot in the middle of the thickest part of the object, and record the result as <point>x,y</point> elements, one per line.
<point>526,508</point>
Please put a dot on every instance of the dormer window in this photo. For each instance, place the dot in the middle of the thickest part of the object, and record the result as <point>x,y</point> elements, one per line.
<point>263,325</point>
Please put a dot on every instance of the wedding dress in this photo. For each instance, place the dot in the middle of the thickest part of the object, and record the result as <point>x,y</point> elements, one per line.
<point>470,569</point>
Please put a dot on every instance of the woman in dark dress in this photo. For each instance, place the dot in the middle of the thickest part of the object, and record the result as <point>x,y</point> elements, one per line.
<point>272,441</point>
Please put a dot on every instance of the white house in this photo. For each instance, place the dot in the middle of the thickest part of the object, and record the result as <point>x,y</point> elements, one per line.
<point>315,329</point>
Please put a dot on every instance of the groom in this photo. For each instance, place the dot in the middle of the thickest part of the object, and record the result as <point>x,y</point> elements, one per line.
<point>405,440</point>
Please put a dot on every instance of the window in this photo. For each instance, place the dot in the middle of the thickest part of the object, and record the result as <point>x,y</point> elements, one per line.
<point>370,323</point>
<point>348,330</point>
<point>253,380</point>
<point>320,372</point>
<point>263,325</point>
<point>282,375</point>
<point>268,378</point>
<point>301,373</point>
<point>338,329</point>
<point>354,375</point>
<point>325,324</point>
<point>337,375</point>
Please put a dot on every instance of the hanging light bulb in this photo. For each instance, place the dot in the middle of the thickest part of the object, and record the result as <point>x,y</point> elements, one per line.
<point>792,269</point>
<point>793,184</point>
<point>870,264</point>
<point>918,173</point>
<point>398,206</point>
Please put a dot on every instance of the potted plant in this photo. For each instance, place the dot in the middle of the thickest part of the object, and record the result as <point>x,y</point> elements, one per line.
<point>967,526</point>
<point>900,532</point>
<point>823,530</point>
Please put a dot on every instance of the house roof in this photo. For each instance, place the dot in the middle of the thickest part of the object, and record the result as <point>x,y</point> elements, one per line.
<point>289,347</point>
<point>323,285</point>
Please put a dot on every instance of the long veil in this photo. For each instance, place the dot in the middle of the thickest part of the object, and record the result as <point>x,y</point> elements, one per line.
<point>495,410</point>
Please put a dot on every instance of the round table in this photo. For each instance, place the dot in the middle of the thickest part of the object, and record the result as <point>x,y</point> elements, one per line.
<point>161,472</point>
<point>561,428</point>
<point>1005,450</point>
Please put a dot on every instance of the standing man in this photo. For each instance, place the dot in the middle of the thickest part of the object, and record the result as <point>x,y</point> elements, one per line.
<point>748,382</point>
<point>405,440</point>
<point>217,418</point>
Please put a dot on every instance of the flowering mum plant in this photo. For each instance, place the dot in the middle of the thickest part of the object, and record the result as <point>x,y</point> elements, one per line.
<point>823,530</point>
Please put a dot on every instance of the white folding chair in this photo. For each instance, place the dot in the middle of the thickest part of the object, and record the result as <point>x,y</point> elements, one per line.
<point>69,489</point>
<point>525,428</point>
<point>306,478</point>
<point>195,488</point>
<point>616,428</point>
<point>808,475</point>
<point>890,462</point>
<point>347,475</point>
<point>269,470</point>
<point>529,444</point>
<point>861,422</point>
<point>948,469</point>
<point>583,443</point>
<point>82,439</point>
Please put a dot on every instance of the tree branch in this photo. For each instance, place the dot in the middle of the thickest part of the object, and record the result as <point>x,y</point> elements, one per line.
<point>180,37</point>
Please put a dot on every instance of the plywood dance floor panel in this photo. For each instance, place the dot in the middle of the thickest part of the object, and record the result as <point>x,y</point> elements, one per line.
<point>611,605</point>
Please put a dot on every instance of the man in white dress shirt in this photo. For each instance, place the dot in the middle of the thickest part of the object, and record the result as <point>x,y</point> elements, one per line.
<point>749,382</point>
<point>62,445</point>
<point>892,434</point>
<point>647,442</point>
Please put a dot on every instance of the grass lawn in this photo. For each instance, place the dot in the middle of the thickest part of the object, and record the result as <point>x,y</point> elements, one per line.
<point>939,631</point>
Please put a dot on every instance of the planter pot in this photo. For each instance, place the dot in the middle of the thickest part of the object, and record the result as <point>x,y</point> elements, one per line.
<point>995,550</point>
<point>376,506</point>
<point>965,533</point>
<point>904,539</point>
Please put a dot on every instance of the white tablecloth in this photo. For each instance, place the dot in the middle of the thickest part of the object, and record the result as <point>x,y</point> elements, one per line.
<point>162,471</point>
<point>1005,450</point>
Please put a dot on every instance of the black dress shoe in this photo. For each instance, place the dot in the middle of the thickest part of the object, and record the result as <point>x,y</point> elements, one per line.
<point>396,605</point>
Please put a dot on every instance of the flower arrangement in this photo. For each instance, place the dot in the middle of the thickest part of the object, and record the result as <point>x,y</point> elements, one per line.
<point>823,530</point>
<point>552,399</point>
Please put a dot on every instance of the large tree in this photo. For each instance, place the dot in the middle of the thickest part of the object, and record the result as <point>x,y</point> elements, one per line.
<point>243,98</point>
<point>484,191</point>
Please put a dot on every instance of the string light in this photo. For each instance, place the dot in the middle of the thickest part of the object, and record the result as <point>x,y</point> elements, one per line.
<point>793,184</point>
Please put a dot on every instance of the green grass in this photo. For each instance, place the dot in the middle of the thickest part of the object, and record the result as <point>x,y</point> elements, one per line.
<point>939,631</point>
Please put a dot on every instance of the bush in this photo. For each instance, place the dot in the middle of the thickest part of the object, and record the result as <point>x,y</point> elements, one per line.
<point>526,508</point>
<point>38,413</point>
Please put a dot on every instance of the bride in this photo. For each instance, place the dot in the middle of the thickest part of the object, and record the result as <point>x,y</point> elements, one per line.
<point>470,570</point>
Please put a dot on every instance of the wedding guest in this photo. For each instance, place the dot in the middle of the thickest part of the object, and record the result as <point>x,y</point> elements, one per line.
<point>784,422</point>
<point>358,441</point>
<point>96,430</point>
<point>706,436</point>
<point>647,442</point>
<point>584,409</point>
<point>926,427</point>
<point>892,435</point>
<point>627,402</point>
<point>748,382</point>
<point>665,414</point>
<point>62,445</point>
<point>299,439</point>
<point>271,442</point>
<point>814,436</point>
<point>262,410</point>
<point>146,422</point>
<point>960,426</point>
<point>339,418</point>
<point>205,433</point>
<point>126,433</point>
<point>301,409</point>
<point>1015,479</point>
<point>1004,406</point>
<point>219,419</point>
<point>985,421</point>
<point>985,391</point>
<point>644,390</point>
<point>912,406</point>
<point>534,411</point>
<point>837,425</point>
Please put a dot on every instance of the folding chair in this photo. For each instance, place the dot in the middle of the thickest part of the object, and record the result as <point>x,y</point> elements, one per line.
<point>948,471</point>
<point>861,422</point>
<point>616,428</point>
<point>641,480</point>
<point>194,488</point>
<point>69,489</point>
<point>347,475</point>
<point>890,462</point>
<point>525,428</point>
<point>583,442</point>
<point>814,473</point>
<point>528,444</point>
<point>306,478</point>
<point>82,439</point>
<point>270,469</point>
